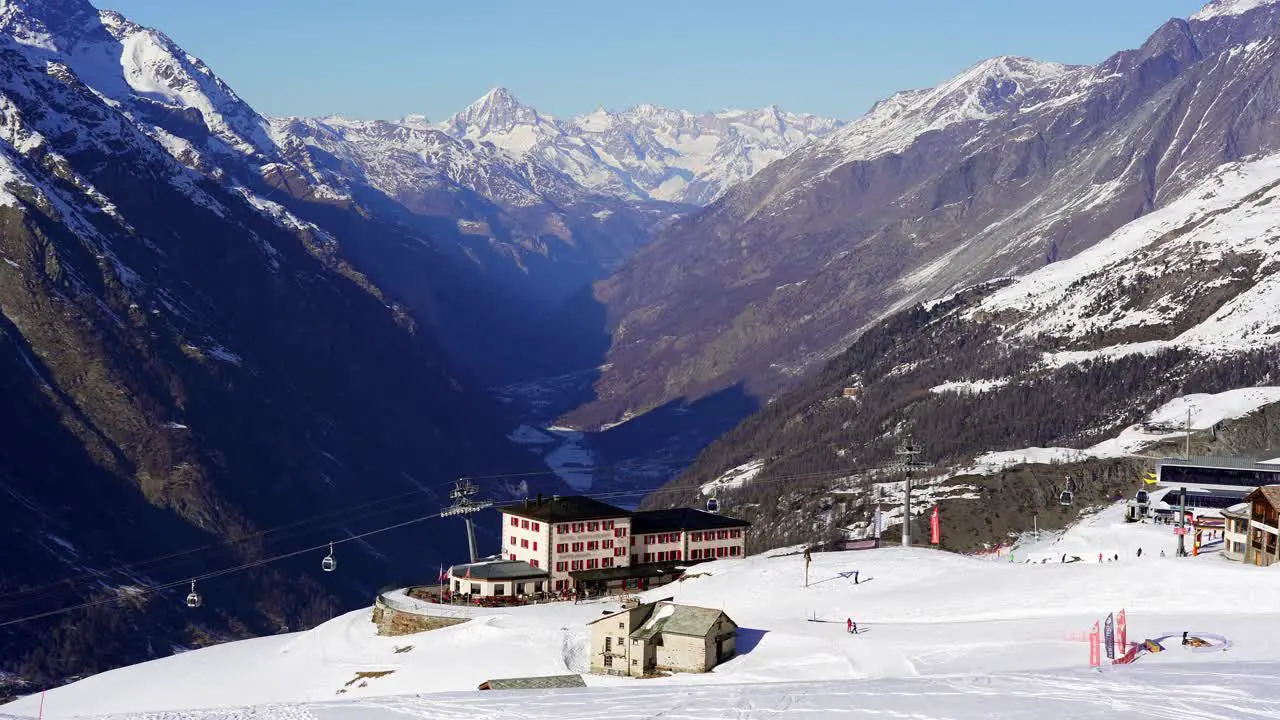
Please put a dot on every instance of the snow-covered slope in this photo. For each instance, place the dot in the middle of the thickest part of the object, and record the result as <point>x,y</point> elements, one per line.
<point>1202,273</point>
<point>646,152</point>
<point>1168,422</point>
<point>969,623</point>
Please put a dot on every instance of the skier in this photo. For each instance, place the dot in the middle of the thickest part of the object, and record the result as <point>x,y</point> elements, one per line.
<point>1161,553</point>
<point>849,626</point>
<point>855,577</point>
<point>1139,552</point>
<point>1099,558</point>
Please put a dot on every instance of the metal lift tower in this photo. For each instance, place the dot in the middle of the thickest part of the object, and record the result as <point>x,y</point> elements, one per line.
<point>465,505</point>
<point>908,451</point>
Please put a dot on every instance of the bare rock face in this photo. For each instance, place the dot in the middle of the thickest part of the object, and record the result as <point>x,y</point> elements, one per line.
<point>192,361</point>
<point>1011,165</point>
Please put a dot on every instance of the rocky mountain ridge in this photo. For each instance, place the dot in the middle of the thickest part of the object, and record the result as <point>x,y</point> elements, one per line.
<point>645,152</point>
<point>1011,165</point>
<point>193,362</point>
<point>1011,384</point>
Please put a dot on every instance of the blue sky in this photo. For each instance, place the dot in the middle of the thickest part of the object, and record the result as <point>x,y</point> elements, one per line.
<point>389,58</point>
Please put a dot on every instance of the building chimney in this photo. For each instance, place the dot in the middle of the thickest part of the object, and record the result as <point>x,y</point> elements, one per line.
<point>539,499</point>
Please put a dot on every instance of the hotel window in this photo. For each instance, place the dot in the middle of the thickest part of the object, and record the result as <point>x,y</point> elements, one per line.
<point>562,547</point>
<point>515,522</point>
<point>577,527</point>
<point>675,554</point>
<point>524,543</point>
<point>606,562</point>
<point>697,537</point>
<point>535,544</point>
<point>593,526</point>
<point>562,529</point>
<point>662,556</point>
<point>734,550</point>
<point>606,525</point>
<point>648,557</point>
<point>620,532</point>
<point>475,589</point>
<point>593,545</point>
<point>693,554</point>
<point>534,563</point>
<point>577,547</point>
<point>524,524</point>
<point>577,564</point>
<point>619,552</point>
<point>536,527</point>
<point>562,566</point>
<point>606,544</point>
<point>592,564</point>
<point>513,540</point>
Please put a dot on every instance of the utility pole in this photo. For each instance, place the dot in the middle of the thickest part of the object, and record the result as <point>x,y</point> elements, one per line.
<point>1187,453</point>
<point>1182,523</point>
<point>910,451</point>
<point>1035,525</point>
<point>465,505</point>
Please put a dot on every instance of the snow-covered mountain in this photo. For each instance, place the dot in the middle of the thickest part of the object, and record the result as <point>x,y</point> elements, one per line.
<point>189,352</point>
<point>646,152</point>
<point>1009,165</point>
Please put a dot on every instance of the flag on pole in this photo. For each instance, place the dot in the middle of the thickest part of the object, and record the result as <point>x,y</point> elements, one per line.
<point>441,576</point>
<point>1109,636</point>
<point>1095,656</point>
<point>935,527</point>
<point>1122,633</point>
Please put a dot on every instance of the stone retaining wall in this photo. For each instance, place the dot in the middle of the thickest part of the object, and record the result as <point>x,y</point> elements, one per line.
<point>402,621</point>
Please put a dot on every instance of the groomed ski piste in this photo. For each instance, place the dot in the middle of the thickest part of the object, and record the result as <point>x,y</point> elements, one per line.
<point>945,636</point>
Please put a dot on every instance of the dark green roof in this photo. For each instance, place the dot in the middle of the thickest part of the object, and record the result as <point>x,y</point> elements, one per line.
<point>497,570</point>
<point>571,508</point>
<point>534,683</point>
<point>627,572</point>
<point>656,521</point>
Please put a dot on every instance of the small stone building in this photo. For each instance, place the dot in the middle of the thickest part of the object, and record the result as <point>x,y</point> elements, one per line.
<point>661,636</point>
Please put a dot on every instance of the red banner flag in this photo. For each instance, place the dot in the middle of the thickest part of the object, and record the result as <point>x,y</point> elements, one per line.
<point>1122,633</point>
<point>935,527</point>
<point>1095,646</point>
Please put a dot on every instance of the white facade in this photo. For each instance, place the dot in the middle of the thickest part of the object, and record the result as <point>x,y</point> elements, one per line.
<point>563,548</point>
<point>527,540</point>
<point>688,545</point>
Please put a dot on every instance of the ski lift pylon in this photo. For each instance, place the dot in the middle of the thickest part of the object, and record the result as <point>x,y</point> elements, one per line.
<point>193,597</point>
<point>329,563</point>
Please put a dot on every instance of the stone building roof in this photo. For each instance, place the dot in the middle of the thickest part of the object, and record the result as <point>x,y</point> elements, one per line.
<point>676,619</point>
<point>534,683</point>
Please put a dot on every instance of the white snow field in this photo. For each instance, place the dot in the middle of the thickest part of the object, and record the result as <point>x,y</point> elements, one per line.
<point>947,636</point>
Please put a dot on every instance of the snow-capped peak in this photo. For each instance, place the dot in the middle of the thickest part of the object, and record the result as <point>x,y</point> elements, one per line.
<point>980,92</point>
<point>1223,8</point>
<point>498,111</point>
<point>646,152</point>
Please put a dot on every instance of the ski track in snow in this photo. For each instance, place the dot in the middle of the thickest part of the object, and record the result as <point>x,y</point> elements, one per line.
<point>949,636</point>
